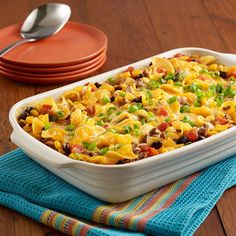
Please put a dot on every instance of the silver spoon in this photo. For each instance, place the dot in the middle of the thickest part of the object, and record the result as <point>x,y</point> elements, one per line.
<point>42,22</point>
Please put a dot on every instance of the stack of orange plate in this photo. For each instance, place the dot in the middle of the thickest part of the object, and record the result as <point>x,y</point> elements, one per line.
<point>75,52</point>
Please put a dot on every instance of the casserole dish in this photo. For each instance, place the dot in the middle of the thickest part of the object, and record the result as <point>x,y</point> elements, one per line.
<point>117,183</point>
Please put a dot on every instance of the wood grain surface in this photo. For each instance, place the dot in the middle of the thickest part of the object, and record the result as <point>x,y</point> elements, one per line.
<point>136,29</point>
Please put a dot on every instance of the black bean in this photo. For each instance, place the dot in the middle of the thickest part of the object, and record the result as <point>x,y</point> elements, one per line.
<point>117,87</point>
<point>223,74</point>
<point>25,113</point>
<point>112,98</point>
<point>97,84</point>
<point>182,139</point>
<point>138,99</point>
<point>66,148</point>
<point>150,64</point>
<point>156,145</point>
<point>139,76</point>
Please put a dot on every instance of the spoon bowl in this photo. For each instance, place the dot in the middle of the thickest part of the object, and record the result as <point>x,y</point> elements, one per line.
<point>42,22</point>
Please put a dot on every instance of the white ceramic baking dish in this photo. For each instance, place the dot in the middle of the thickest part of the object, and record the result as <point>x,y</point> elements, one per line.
<point>117,183</point>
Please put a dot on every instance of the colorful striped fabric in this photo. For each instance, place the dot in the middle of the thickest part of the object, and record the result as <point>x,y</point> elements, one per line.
<point>175,209</point>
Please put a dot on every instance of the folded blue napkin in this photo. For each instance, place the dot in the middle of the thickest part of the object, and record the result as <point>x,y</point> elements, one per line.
<point>175,209</point>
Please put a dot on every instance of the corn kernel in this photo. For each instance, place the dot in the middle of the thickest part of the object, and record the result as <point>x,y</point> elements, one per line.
<point>221,67</point>
<point>34,113</point>
<point>184,58</point>
<point>125,75</point>
<point>29,119</point>
<point>213,67</point>
<point>210,118</point>
<point>136,73</point>
<point>170,81</point>
<point>57,145</point>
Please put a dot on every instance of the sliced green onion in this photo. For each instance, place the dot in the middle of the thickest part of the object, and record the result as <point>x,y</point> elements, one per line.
<point>111,80</point>
<point>105,100</point>
<point>60,114</point>
<point>187,120</point>
<point>104,150</point>
<point>127,129</point>
<point>111,110</point>
<point>70,127</point>
<point>184,108</point>
<point>47,125</point>
<point>100,123</point>
<point>122,94</point>
<point>172,99</point>
<point>153,84</point>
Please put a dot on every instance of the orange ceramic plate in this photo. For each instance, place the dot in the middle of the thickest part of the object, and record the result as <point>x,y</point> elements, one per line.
<point>75,43</point>
<point>52,75</point>
<point>45,80</point>
<point>51,70</point>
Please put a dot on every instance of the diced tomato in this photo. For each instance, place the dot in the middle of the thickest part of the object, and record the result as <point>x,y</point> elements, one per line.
<point>192,135</point>
<point>151,151</point>
<point>220,120</point>
<point>130,68</point>
<point>203,78</point>
<point>162,112</point>
<point>93,89</point>
<point>232,74</point>
<point>77,149</point>
<point>163,126</point>
<point>46,108</point>
<point>106,126</point>
<point>162,70</point>
<point>178,55</point>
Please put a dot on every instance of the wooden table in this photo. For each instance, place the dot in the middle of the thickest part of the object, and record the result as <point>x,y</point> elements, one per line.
<point>136,29</point>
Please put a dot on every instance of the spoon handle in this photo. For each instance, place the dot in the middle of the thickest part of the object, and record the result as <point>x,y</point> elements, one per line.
<point>13,45</point>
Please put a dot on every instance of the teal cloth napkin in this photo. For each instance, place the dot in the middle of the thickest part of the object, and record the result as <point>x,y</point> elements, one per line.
<point>175,209</point>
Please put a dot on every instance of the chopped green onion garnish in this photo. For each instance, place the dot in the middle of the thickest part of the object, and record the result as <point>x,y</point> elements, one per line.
<point>111,80</point>
<point>70,127</point>
<point>143,121</point>
<point>104,150</point>
<point>148,95</point>
<point>118,112</point>
<point>100,123</point>
<point>101,114</point>
<point>127,129</point>
<point>47,125</point>
<point>186,120</point>
<point>167,119</point>
<point>111,110</point>
<point>89,146</point>
<point>132,108</point>
<point>153,84</point>
<point>172,99</point>
<point>105,100</point>
<point>151,116</point>
<point>60,114</point>
<point>184,108</point>
<point>122,94</point>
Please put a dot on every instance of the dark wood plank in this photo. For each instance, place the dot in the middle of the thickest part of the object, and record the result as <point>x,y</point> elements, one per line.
<point>185,24</point>
<point>211,226</point>
<point>226,207</point>
<point>224,21</point>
